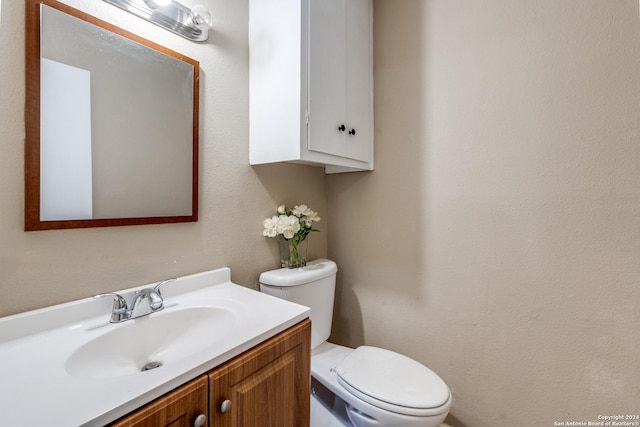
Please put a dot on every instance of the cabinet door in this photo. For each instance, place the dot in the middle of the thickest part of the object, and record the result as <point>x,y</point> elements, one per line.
<point>179,408</point>
<point>358,69</point>
<point>268,386</point>
<point>327,78</point>
<point>340,82</point>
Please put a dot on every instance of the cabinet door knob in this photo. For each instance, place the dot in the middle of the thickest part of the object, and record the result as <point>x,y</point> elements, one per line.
<point>352,132</point>
<point>200,421</point>
<point>341,128</point>
<point>225,406</point>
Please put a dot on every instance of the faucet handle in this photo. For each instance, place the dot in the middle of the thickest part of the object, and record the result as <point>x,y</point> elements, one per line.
<point>120,308</point>
<point>119,303</point>
<point>157,287</point>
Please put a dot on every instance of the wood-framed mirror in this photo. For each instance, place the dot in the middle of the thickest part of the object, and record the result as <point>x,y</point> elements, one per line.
<point>111,124</point>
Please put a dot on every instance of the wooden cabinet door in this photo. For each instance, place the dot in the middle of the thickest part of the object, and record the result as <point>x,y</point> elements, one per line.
<point>268,386</point>
<point>179,408</point>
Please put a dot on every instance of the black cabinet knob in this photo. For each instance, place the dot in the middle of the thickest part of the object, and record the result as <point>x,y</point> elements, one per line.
<point>352,132</point>
<point>341,128</point>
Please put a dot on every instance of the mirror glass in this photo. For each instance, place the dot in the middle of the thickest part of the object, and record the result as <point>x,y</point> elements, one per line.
<point>111,125</point>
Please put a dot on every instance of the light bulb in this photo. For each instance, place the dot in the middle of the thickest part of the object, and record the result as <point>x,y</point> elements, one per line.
<point>200,18</point>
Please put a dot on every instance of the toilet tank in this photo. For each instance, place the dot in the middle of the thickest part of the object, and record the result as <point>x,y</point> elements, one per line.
<point>313,286</point>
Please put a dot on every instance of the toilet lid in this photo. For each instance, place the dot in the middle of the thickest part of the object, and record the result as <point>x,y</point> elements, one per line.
<point>392,381</point>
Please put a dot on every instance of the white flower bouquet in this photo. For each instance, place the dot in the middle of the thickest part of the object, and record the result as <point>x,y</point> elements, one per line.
<point>292,228</point>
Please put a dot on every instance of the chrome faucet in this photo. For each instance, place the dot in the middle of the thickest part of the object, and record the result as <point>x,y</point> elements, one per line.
<point>145,301</point>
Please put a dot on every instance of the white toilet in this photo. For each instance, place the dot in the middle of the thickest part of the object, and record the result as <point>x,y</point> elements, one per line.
<point>362,387</point>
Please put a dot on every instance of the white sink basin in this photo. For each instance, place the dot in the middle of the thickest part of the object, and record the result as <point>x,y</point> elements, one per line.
<point>71,353</point>
<point>151,342</point>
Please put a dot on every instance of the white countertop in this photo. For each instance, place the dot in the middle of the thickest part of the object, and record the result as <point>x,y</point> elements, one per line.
<point>37,389</point>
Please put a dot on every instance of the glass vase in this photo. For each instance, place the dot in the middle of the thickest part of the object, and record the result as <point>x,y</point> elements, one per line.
<point>293,254</point>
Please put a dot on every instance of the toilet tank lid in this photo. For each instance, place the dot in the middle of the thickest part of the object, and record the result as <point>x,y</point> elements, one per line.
<point>314,270</point>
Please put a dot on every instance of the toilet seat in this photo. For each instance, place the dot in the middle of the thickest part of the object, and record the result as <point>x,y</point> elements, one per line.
<point>392,382</point>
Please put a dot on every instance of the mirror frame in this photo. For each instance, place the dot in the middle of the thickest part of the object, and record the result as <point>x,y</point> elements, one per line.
<point>32,124</point>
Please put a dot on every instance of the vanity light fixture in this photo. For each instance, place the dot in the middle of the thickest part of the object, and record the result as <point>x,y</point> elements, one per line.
<point>192,24</point>
<point>154,4</point>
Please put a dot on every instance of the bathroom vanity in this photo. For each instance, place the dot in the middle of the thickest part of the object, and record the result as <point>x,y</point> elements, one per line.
<point>266,386</point>
<point>216,354</point>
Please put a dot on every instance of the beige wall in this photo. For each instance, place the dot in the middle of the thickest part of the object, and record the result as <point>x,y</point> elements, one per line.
<point>43,268</point>
<point>498,239</point>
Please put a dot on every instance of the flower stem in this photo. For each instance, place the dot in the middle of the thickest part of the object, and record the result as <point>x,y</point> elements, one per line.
<point>295,256</point>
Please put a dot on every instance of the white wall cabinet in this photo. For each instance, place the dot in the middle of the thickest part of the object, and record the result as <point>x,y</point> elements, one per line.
<point>311,84</point>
